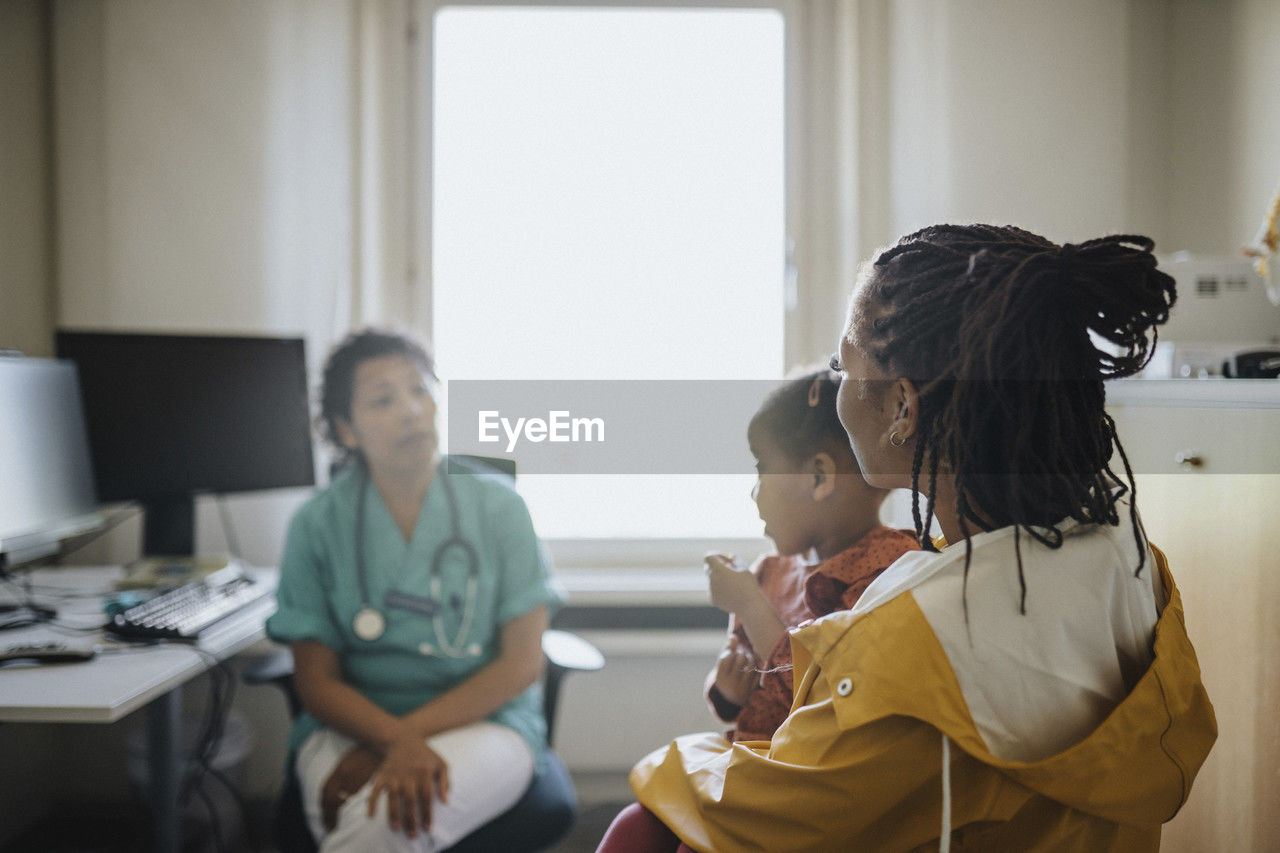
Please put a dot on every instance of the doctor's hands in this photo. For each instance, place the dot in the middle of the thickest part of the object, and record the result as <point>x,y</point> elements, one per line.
<point>353,770</point>
<point>411,775</point>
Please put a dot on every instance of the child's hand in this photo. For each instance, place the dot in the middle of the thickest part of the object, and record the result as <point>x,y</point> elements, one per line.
<point>736,674</point>
<point>733,587</point>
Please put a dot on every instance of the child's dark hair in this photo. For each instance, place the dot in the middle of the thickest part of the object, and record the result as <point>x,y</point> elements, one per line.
<point>1009,338</point>
<point>800,417</point>
<point>340,372</point>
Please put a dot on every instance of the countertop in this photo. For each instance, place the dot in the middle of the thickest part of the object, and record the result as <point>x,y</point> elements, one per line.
<point>1214,392</point>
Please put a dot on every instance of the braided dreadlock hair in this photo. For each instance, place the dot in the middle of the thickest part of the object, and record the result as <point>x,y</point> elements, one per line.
<point>1009,338</point>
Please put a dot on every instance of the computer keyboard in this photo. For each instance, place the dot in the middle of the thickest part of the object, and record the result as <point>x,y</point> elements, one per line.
<point>184,611</point>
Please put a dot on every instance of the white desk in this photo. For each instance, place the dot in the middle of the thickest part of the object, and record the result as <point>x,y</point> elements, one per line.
<point>116,683</point>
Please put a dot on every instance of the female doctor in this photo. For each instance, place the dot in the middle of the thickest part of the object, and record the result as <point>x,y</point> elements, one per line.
<point>414,600</point>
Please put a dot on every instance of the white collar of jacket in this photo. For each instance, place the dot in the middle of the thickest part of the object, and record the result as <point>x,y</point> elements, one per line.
<point>1134,767</point>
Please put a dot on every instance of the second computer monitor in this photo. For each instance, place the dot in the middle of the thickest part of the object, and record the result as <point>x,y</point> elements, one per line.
<point>46,482</point>
<point>172,416</point>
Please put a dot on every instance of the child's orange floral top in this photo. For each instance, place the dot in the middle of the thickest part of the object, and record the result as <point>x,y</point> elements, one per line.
<point>800,592</point>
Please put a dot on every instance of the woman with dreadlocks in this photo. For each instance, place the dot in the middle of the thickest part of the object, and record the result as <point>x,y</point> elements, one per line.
<point>1031,685</point>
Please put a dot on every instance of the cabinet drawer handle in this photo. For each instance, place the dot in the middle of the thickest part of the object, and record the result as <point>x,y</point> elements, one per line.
<point>1189,458</point>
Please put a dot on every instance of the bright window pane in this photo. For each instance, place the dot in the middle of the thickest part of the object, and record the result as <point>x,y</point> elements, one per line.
<point>608,202</point>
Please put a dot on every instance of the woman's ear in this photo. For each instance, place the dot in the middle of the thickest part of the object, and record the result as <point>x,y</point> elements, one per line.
<point>346,433</point>
<point>905,400</point>
<point>823,469</point>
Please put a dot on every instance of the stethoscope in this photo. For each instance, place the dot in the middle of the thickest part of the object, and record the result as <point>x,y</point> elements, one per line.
<point>370,624</point>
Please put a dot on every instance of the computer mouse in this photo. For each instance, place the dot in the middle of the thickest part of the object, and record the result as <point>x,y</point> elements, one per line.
<point>42,653</point>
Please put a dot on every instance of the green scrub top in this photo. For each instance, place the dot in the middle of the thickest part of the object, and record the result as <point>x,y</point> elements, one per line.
<point>319,593</point>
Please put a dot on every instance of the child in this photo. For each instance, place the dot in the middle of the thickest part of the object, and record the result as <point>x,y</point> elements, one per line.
<point>812,499</point>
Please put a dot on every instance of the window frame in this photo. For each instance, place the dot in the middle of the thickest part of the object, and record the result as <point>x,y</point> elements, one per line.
<point>606,553</point>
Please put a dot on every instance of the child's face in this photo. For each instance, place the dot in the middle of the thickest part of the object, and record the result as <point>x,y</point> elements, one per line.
<point>783,494</point>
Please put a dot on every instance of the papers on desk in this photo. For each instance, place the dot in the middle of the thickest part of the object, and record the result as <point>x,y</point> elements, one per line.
<point>156,572</point>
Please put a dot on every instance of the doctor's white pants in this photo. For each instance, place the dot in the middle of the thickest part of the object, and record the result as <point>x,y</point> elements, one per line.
<point>490,766</point>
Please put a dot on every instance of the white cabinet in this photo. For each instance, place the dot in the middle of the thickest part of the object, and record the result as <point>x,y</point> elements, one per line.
<point>1219,524</point>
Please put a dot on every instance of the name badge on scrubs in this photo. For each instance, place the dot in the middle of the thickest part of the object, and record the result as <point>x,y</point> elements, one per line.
<point>424,605</point>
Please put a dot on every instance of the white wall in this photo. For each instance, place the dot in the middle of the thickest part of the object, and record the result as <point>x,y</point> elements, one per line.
<point>1010,112</point>
<point>206,164</point>
<point>1044,114</point>
<point>1221,134</point>
<point>1078,119</point>
<point>26,311</point>
<point>1201,142</point>
<point>210,155</point>
<point>205,184</point>
<point>1255,128</point>
<point>206,180</point>
<point>1086,118</point>
<point>26,316</point>
<point>649,693</point>
<point>1236,129</point>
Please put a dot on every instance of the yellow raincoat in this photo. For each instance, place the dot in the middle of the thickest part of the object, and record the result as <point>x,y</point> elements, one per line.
<point>880,752</point>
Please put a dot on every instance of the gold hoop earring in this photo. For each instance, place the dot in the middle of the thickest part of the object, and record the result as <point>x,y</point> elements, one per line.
<point>900,440</point>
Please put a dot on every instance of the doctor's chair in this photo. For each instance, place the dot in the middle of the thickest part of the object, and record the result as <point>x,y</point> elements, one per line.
<point>541,817</point>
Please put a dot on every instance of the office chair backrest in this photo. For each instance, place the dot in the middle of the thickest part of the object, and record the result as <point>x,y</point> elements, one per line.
<point>476,464</point>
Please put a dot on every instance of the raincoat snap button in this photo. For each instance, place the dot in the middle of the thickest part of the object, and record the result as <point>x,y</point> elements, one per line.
<point>845,686</point>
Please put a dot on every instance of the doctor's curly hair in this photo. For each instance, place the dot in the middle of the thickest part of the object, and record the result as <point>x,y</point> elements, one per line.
<point>338,380</point>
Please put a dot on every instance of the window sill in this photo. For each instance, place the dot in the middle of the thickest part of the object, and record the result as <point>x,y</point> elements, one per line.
<point>634,587</point>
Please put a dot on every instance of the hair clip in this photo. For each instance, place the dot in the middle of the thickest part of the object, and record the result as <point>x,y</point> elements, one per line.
<point>815,391</point>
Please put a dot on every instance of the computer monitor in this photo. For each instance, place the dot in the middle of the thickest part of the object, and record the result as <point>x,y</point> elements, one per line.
<point>172,416</point>
<point>46,480</point>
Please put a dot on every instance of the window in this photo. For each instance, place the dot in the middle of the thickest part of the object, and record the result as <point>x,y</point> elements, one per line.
<point>608,202</point>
